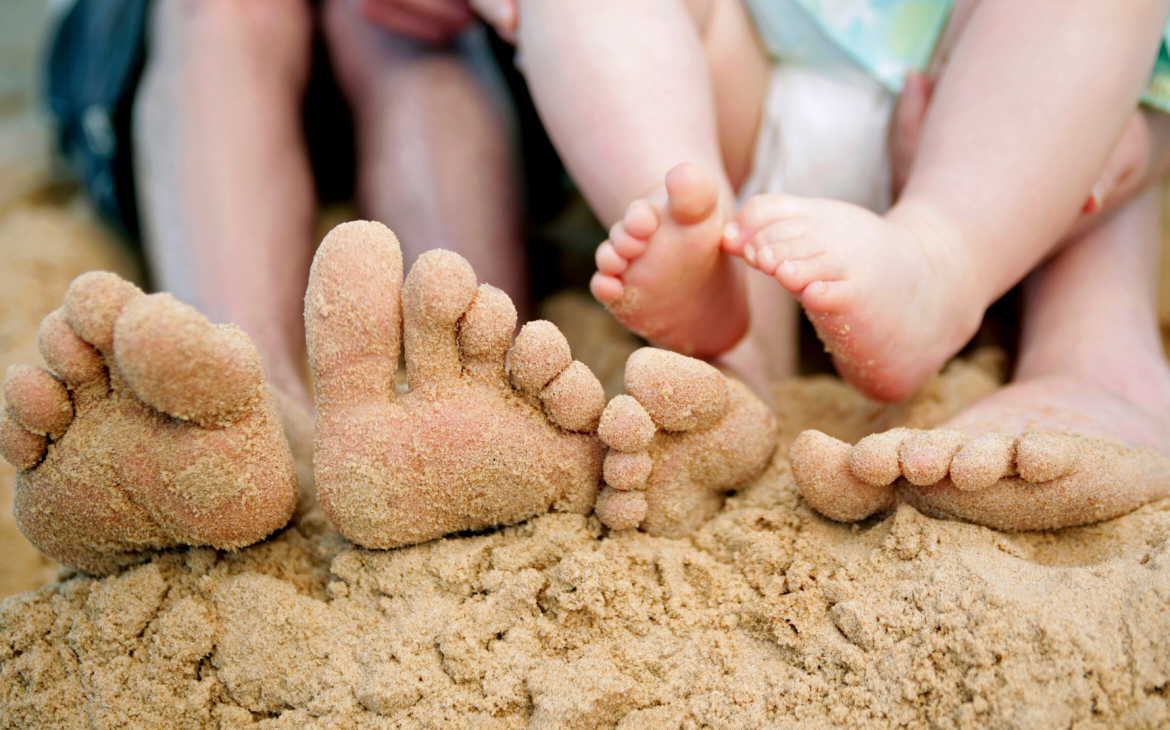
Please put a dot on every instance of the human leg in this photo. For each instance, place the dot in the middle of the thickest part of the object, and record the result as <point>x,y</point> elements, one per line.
<point>1081,434</point>
<point>224,184</point>
<point>993,187</point>
<point>626,94</point>
<point>435,149</point>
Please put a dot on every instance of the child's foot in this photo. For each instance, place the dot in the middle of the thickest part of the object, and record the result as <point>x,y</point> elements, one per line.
<point>683,437</point>
<point>891,297</point>
<point>662,272</point>
<point>464,449</point>
<point>1043,453</point>
<point>153,429</point>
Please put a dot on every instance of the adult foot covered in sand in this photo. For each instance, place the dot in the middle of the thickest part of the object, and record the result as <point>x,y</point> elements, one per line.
<point>1081,435</point>
<point>662,272</point>
<point>152,428</point>
<point>683,437</point>
<point>463,449</point>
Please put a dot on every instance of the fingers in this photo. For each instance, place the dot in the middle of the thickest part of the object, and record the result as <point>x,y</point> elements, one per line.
<point>429,21</point>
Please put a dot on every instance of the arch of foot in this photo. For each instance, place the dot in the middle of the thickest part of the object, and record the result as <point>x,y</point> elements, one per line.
<point>683,436</point>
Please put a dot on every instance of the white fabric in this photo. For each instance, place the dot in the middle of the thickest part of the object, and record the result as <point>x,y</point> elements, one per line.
<point>823,134</point>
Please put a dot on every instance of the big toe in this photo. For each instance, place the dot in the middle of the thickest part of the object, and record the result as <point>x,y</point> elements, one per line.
<point>692,192</point>
<point>353,315</point>
<point>820,465</point>
<point>179,363</point>
<point>680,393</point>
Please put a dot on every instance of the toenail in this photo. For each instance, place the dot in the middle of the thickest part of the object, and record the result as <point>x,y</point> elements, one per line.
<point>767,255</point>
<point>749,253</point>
<point>731,231</point>
<point>789,268</point>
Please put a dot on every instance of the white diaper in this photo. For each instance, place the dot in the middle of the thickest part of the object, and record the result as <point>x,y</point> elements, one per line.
<point>823,134</point>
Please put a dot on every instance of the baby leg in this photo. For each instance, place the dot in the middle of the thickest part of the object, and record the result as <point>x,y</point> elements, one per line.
<point>626,94</point>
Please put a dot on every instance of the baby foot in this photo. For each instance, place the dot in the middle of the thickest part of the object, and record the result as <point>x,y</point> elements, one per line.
<point>153,429</point>
<point>1046,453</point>
<point>662,274</point>
<point>891,300</point>
<point>683,437</point>
<point>464,449</point>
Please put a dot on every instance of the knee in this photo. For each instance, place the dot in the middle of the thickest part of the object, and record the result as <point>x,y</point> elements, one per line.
<point>274,34</point>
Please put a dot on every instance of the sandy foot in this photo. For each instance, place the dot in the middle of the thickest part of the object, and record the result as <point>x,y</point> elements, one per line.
<point>891,299</point>
<point>662,273</point>
<point>1045,453</point>
<point>683,437</point>
<point>151,428</point>
<point>464,448</point>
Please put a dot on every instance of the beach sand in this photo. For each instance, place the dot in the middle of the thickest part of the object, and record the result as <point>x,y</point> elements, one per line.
<point>768,616</point>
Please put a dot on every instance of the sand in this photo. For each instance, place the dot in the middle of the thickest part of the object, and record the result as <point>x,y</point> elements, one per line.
<point>768,616</point>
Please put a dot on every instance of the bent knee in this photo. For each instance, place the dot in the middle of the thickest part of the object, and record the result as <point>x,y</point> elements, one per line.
<point>276,33</point>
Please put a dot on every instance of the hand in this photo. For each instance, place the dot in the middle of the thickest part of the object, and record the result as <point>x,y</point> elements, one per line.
<point>502,15</point>
<point>429,21</point>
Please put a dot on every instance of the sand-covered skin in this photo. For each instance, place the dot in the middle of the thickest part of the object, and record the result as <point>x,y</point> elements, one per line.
<point>1034,481</point>
<point>466,447</point>
<point>683,436</point>
<point>151,428</point>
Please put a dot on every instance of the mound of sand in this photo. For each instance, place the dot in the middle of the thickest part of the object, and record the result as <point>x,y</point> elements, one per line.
<point>770,616</point>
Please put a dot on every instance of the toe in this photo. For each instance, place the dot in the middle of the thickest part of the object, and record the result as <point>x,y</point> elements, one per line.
<point>37,401</point>
<point>353,314</point>
<point>640,220</point>
<point>605,289</point>
<point>1042,457</point>
<point>609,262</point>
<point>486,332</point>
<point>179,363</point>
<point>926,456</point>
<point>436,293</point>
<point>620,510</point>
<point>92,305</point>
<point>574,399</point>
<point>627,471</point>
<point>625,425</point>
<point>626,245</point>
<point>874,459</point>
<point>20,447</point>
<point>825,297</point>
<point>71,358</point>
<point>680,393</point>
<point>540,353</point>
<point>983,461</point>
<point>795,274</point>
<point>692,192</point>
<point>820,465</point>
